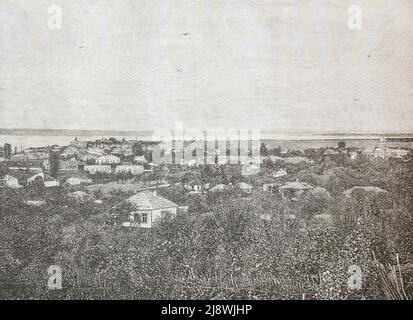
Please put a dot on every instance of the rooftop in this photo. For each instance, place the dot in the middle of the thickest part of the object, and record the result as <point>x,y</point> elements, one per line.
<point>371,189</point>
<point>21,174</point>
<point>296,185</point>
<point>243,185</point>
<point>218,187</point>
<point>150,201</point>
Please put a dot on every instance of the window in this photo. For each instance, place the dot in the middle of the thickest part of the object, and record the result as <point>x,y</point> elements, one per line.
<point>144,217</point>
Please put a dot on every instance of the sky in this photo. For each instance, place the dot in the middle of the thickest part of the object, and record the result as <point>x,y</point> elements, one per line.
<point>291,66</point>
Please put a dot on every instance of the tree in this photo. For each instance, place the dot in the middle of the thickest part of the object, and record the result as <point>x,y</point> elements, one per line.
<point>263,149</point>
<point>197,204</point>
<point>404,185</point>
<point>113,140</point>
<point>37,187</point>
<point>3,169</point>
<point>341,145</point>
<point>138,148</point>
<point>315,202</point>
<point>54,164</point>
<point>122,211</point>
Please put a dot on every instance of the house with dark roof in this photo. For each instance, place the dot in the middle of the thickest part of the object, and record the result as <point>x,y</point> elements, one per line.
<point>147,208</point>
<point>294,190</point>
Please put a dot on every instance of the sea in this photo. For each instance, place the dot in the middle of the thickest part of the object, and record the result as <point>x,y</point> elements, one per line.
<point>285,141</point>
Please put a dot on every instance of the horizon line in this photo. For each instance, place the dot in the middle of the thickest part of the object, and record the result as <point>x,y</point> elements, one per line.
<point>14,131</point>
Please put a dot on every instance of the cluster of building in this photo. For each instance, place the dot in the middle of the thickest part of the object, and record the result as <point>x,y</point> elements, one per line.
<point>19,177</point>
<point>197,187</point>
<point>75,163</point>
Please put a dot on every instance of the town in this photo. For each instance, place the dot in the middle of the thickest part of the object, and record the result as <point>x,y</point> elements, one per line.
<point>243,227</point>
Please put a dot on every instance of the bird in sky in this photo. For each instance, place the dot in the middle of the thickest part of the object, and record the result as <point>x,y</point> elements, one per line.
<point>186,34</point>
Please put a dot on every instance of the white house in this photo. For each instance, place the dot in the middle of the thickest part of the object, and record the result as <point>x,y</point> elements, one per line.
<point>50,182</point>
<point>17,178</point>
<point>10,182</point>
<point>279,173</point>
<point>139,160</point>
<point>31,169</point>
<point>134,169</point>
<point>75,181</point>
<point>148,207</point>
<point>271,187</point>
<point>245,187</point>
<point>108,159</point>
<point>250,169</point>
<point>35,203</point>
<point>96,151</point>
<point>92,169</point>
